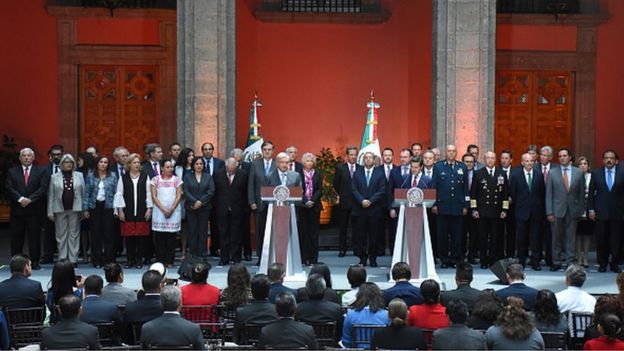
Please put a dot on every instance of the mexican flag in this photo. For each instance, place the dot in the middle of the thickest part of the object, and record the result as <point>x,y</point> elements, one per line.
<point>254,138</point>
<point>370,142</point>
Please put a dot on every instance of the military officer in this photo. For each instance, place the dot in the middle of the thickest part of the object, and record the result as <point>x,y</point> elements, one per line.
<point>452,200</point>
<point>489,202</point>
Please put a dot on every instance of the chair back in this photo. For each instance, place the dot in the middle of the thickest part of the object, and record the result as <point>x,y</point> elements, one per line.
<point>24,325</point>
<point>25,316</point>
<point>135,329</point>
<point>580,321</point>
<point>108,333</point>
<point>428,336</point>
<point>251,333</point>
<point>325,333</point>
<point>362,334</point>
<point>207,317</point>
<point>555,340</point>
<point>227,315</point>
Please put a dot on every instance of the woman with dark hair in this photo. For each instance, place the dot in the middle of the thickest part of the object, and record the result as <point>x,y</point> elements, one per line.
<point>86,164</point>
<point>199,189</point>
<point>610,327</point>
<point>604,304</point>
<point>330,294</point>
<point>398,335</point>
<point>63,282</point>
<point>585,228</point>
<point>431,314</point>
<point>514,330</point>
<point>183,166</point>
<point>199,292</point>
<point>166,191</point>
<point>238,290</point>
<point>368,308</point>
<point>546,315</point>
<point>100,191</point>
<point>356,275</point>
<point>486,310</point>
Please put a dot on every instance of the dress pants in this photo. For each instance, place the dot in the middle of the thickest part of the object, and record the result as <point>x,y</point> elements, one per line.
<point>509,226</point>
<point>528,236</point>
<point>391,224</point>
<point>564,239</point>
<point>49,239</point>
<point>344,216</point>
<point>491,240</point>
<point>67,228</point>
<point>260,219</point>
<point>608,240</point>
<point>197,240</point>
<point>215,244</point>
<point>134,248</point>
<point>165,245</point>
<point>547,241</point>
<point>470,238</point>
<point>102,234</point>
<point>309,228</point>
<point>449,238</point>
<point>364,238</point>
<point>22,226</point>
<point>230,235</point>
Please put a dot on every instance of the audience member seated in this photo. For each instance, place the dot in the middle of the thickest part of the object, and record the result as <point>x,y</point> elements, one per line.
<point>286,333</point>
<point>238,290</point>
<point>330,294</point>
<point>94,309</point>
<point>431,314</point>
<point>513,329</point>
<point>276,273</point>
<point>170,329</point>
<point>398,335</point>
<point>605,304</point>
<point>458,336</point>
<point>64,282</point>
<point>609,327</point>
<point>259,311</point>
<point>19,291</point>
<point>70,332</point>
<point>573,298</point>
<point>403,289</point>
<point>114,291</point>
<point>517,288</point>
<point>356,275</point>
<point>147,307</point>
<point>464,292</point>
<point>318,310</point>
<point>368,308</point>
<point>486,310</point>
<point>545,315</point>
<point>619,281</point>
<point>199,292</point>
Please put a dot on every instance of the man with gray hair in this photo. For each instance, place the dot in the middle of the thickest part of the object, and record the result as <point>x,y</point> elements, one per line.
<point>152,166</point>
<point>26,187</point>
<point>293,164</point>
<point>544,165</point>
<point>171,330</point>
<point>121,155</point>
<point>282,175</point>
<point>573,298</point>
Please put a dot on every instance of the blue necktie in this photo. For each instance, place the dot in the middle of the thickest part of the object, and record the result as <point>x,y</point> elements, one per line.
<point>267,167</point>
<point>609,179</point>
<point>367,177</point>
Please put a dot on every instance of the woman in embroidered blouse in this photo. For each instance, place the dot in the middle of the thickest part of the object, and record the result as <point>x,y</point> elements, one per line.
<point>98,204</point>
<point>166,191</point>
<point>133,202</point>
<point>310,212</point>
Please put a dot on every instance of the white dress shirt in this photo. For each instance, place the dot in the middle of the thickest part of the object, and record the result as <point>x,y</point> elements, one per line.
<point>574,299</point>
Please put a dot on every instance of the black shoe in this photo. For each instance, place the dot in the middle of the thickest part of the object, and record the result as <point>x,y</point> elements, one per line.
<point>247,258</point>
<point>223,263</point>
<point>138,266</point>
<point>373,261</point>
<point>484,266</point>
<point>536,267</point>
<point>342,253</point>
<point>472,261</point>
<point>602,269</point>
<point>35,266</point>
<point>47,261</point>
<point>615,268</point>
<point>444,265</point>
<point>129,265</point>
<point>555,267</point>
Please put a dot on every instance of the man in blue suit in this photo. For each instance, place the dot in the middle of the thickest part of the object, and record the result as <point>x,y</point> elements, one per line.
<point>94,309</point>
<point>606,207</point>
<point>526,189</point>
<point>414,179</point>
<point>397,177</point>
<point>517,288</point>
<point>452,200</point>
<point>369,191</point>
<point>19,291</point>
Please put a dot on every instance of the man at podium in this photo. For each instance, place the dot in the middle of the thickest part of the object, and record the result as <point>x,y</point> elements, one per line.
<point>416,179</point>
<point>282,175</point>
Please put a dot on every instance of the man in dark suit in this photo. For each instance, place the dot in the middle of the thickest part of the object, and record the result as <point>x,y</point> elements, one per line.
<point>369,191</point>
<point>151,167</point>
<point>170,329</point>
<point>121,155</point>
<point>259,311</point>
<point>212,164</point>
<point>545,166</point>
<point>526,189</point>
<point>403,289</point>
<point>517,288</point>
<point>387,166</point>
<point>238,154</point>
<point>148,307</point>
<point>293,164</point>
<point>606,207</point>
<point>451,182</point>
<point>70,332</point>
<point>94,309</point>
<point>342,184</point>
<point>258,174</point>
<point>276,273</point>
<point>489,201</point>
<point>231,191</point>
<point>428,158</point>
<point>282,175</point>
<point>286,333</point>
<point>18,291</point>
<point>26,186</point>
<point>458,336</point>
<point>509,223</point>
<point>317,310</point>
<point>55,153</point>
<point>470,230</point>
<point>396,180</point>
<point>464,292</point>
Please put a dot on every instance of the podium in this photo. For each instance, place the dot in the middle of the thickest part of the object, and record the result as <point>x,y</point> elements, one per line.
<point>281,237</point>
<point>412,242</point>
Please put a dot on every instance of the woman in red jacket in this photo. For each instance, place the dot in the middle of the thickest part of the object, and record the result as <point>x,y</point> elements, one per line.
<point>609,326</point>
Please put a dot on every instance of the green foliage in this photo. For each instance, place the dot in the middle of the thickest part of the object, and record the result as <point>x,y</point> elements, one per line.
<point>326,163</point>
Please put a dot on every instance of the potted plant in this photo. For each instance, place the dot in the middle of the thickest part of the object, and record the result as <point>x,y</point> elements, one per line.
<point>9,157</point>
<point>326,163</point>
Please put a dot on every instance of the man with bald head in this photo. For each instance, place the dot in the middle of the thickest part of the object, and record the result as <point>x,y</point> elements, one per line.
<point>489,202</point>
<point>450,177</point>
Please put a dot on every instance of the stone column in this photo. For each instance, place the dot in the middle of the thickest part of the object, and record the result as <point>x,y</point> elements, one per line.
<point>206,74</point>
<point>464,51</point>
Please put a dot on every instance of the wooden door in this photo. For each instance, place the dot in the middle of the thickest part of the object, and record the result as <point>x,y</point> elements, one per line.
<point>118,106</point>
<point>533,107</point>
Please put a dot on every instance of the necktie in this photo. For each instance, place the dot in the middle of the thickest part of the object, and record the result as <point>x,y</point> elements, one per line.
<point>529,180</point>
<point>284,178</point>
<point>403,171</point>
<point>122,170</point>
<point>56,169</point>
<point>230,178</point>
<point>26,177</point>
<point>387,172</point>
<point>351,170</point>
<point>566,181</point>
<point>491,173</point>
<point>155,166</point>
<point>415,182</point>
<point>428,174</point>
<point>367,177</point>
<point>545,173</point>
<point>610,179</point>
<point>267,167</point>
<point>470,179</point>
<point>292,166</point>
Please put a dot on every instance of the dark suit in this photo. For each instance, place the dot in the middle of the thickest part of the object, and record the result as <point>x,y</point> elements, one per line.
<point>257,312</point>
<point>96,310</point>
<point>257,179</point>
<point>217,164</point>
<point>470,229</point>
<point>70,334</point>
<point>21,292</point>
<point>526,293</point>
<point>529,212</point>
<point>342,185</point>
<point>401,338</point>
<point>144,309</point>
<point>463,292</point>
<point>49,230</point>
<point>215,243</point>
<point>246,230</point>
<point>287,333</point>
<point>231,212</point>
<point>458,337</point>
<point>546,228</point>
<point>395,181</point>
<point>194,191</point>
<point>171,330</point>
<point>367,219</point>
<point>404,290</point>
<point>320,311</point>
<point>27,221</point>
<point>297,167</point>
<point>509,223</point>
<point>608,204</point>
<point>292,178</point>
<point>387,223</point>
<point>432,218</point>
<point>309,219</point>
<point>148,168</point>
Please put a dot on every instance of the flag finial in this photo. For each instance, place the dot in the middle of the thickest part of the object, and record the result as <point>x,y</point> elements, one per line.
<point>372,94</point>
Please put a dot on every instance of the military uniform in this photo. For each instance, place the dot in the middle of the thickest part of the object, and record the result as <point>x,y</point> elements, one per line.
<point>452,198</point>
<point>489,195</point>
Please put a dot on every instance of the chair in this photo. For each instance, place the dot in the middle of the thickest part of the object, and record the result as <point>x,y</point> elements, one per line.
<point>136,333</point>
<point>25,325</point>
<point>362,334</point>
<point>207,317</point>
<point>108,334</point>
<point>580,321</point>
<point>428,336</point>
<point>227,315</point>
<point>555,340</point>
<point>251,333</point>
<point>325,333</point>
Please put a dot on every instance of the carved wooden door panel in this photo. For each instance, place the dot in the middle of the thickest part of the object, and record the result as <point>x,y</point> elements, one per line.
<point>533,107</point>
<point>118,106</point>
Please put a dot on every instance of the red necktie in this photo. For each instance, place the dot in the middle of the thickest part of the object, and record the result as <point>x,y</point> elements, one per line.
<point>230,178</point>
<point>291,165</point>
<point>415,182</point>
<point>26,175</point>
<point>545,173</point>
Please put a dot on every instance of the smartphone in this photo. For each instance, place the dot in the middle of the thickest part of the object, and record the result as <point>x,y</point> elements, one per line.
<point>170,281</point>
<point>78,277</point>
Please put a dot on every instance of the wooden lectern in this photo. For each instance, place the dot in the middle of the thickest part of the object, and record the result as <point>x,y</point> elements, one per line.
<point>412,242</point>
<point>281,237</point>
